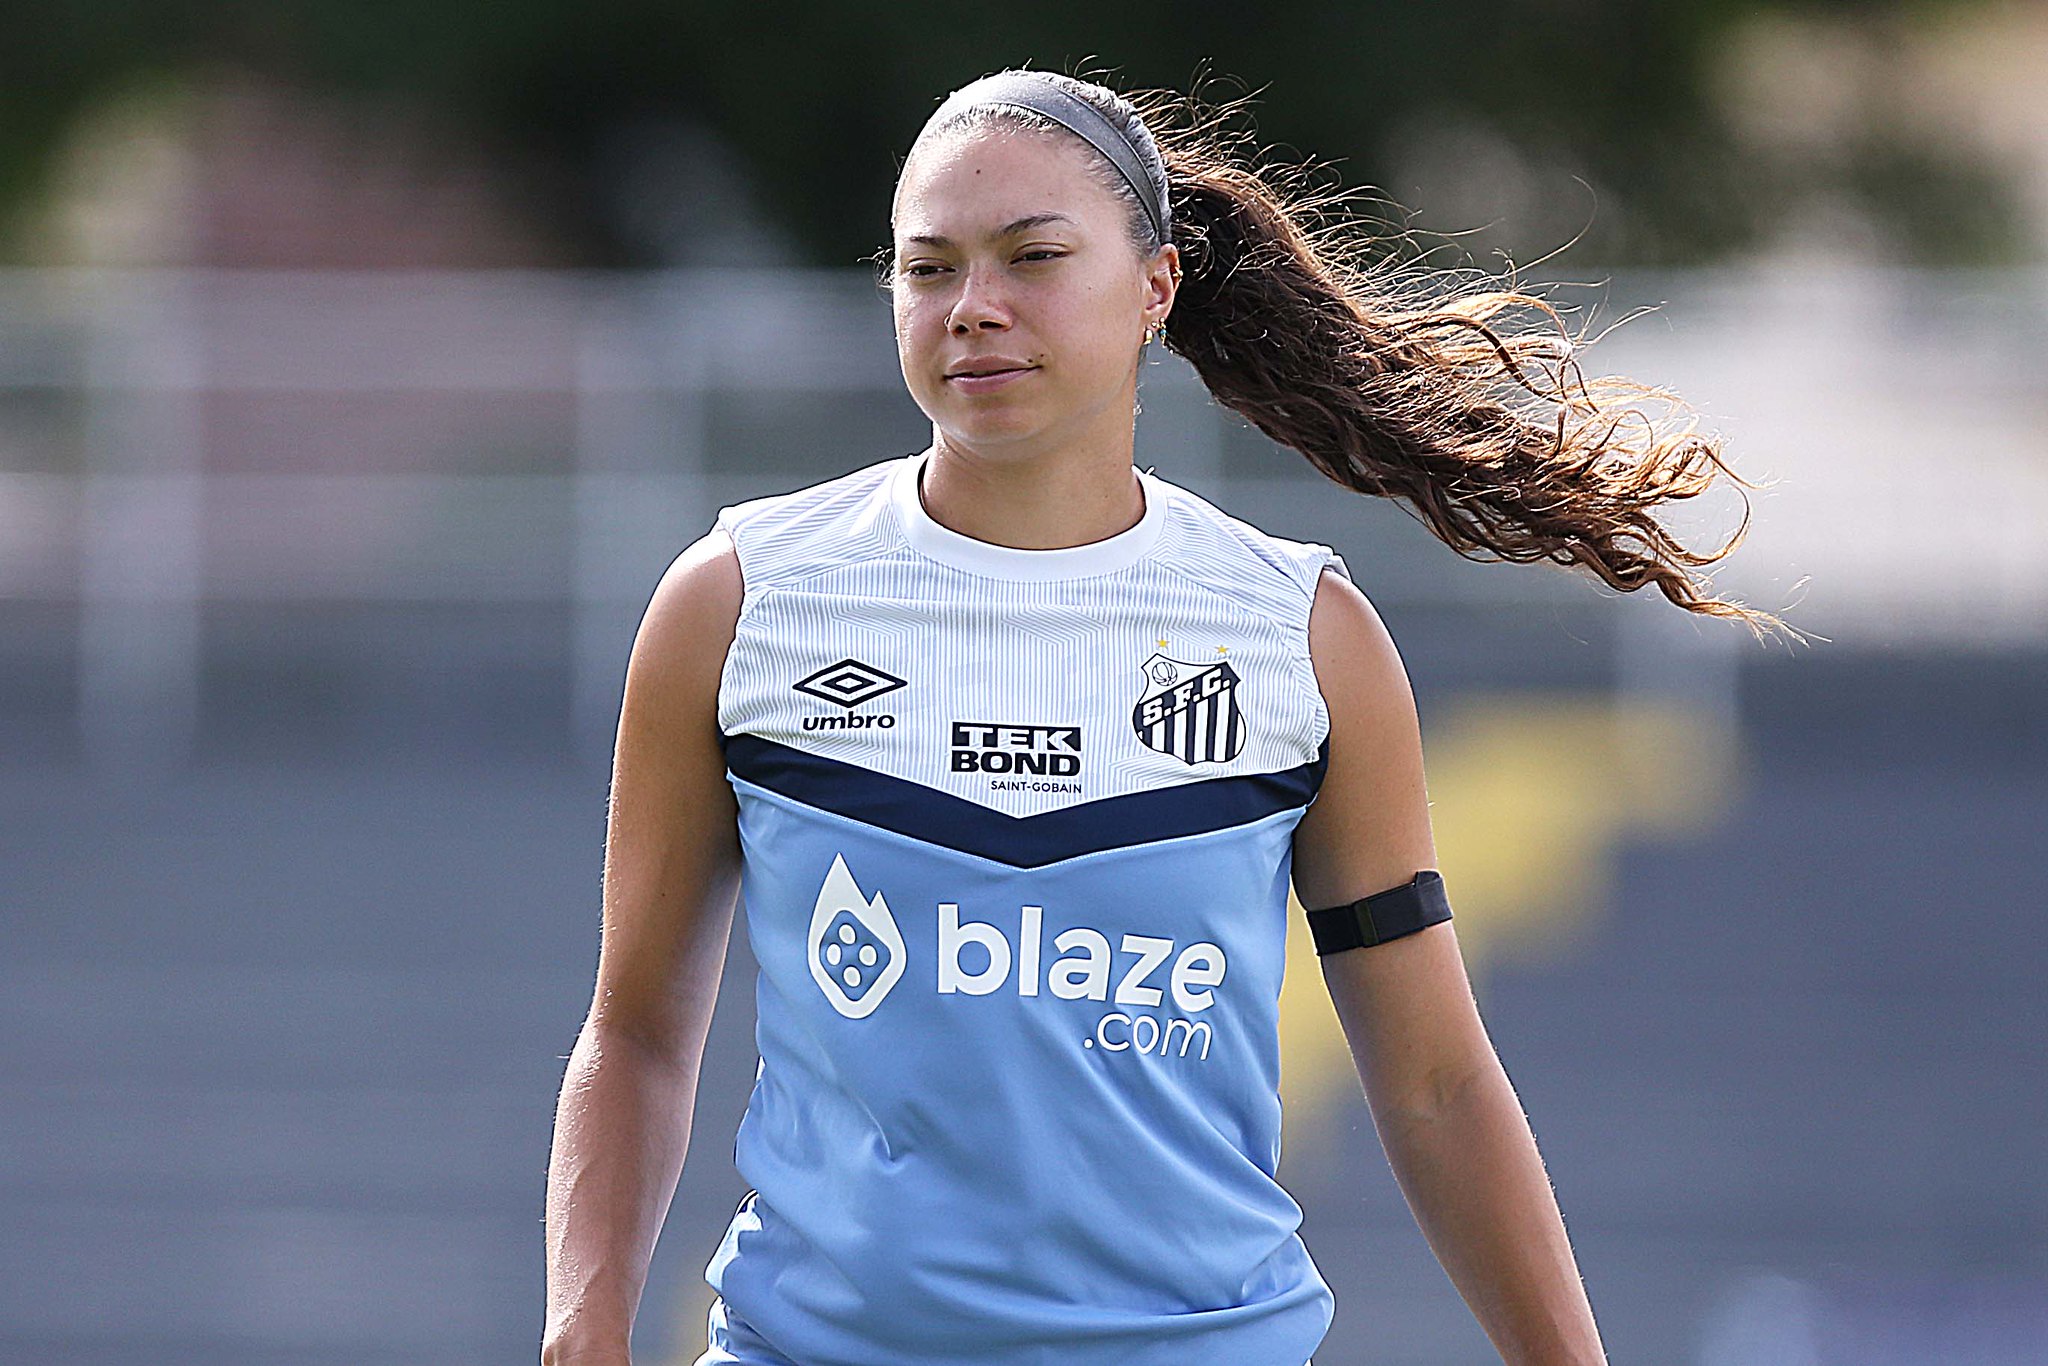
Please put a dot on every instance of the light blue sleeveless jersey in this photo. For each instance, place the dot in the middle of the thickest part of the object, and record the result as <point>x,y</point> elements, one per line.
<point>1017,833</point>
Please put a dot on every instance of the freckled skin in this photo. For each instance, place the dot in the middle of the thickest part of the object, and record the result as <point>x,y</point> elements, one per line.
<point>1073,298</point>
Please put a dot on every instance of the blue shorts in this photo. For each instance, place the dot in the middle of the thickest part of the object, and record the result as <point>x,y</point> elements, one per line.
<point>734,1343</point>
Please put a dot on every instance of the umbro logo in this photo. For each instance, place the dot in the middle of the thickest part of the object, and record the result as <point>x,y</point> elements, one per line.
<point>849,683</point>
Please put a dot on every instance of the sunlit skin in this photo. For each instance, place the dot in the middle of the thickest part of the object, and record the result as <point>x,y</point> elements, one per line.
<point>1045,460</point>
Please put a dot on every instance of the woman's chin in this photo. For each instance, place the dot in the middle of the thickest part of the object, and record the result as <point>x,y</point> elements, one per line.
<point>983,429</point>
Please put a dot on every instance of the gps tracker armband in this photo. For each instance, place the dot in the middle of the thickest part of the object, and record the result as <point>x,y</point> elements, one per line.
<point>1414,905</point>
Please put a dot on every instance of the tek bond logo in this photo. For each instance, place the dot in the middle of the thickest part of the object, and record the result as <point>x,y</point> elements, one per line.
<point>857,955</point>
<point>1018,758</point>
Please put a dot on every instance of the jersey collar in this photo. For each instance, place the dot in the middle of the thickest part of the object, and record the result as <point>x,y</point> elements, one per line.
<point>947,546</point>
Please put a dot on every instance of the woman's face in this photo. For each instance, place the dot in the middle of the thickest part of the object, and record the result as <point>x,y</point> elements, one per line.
<point>1008,252</point>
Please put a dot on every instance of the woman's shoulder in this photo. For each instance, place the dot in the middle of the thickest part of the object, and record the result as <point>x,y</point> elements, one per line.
<point>812,500</point>
<point>1218,545</point>
<point>781,537</point>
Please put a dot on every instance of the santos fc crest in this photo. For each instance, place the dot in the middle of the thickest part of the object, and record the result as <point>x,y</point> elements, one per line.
<point>1190,711</point>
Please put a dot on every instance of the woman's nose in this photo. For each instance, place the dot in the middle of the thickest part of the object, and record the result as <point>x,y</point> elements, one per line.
<point>980,304</point>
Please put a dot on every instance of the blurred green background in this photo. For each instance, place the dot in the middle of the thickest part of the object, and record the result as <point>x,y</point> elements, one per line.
<point>1664,134</point>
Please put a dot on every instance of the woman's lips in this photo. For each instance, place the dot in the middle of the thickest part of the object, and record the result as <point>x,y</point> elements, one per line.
<point>980,384</point>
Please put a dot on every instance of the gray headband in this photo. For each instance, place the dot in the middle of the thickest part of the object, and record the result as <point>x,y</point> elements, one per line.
<point>1036,91</point>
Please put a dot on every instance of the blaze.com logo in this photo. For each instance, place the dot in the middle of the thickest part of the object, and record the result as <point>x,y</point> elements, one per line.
<point>857,956</point>
<point>856,950</point>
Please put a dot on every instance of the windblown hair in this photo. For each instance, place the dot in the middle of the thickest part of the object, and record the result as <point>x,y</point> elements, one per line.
<point>1489,434</point>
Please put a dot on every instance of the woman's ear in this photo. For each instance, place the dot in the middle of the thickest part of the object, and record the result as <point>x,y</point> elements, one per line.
<point>1163,281</point>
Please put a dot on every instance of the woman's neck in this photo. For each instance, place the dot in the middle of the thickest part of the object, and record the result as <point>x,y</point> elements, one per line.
<point>1027,503</point>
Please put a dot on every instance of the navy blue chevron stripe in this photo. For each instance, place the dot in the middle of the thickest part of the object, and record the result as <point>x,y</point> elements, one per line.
<point>925,813</point>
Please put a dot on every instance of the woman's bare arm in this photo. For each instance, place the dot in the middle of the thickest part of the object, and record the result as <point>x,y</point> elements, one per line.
<point>671,874</point>
<point>1452,1127</point>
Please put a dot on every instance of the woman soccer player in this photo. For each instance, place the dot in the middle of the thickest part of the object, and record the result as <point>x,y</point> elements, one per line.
<point>1012,749</point>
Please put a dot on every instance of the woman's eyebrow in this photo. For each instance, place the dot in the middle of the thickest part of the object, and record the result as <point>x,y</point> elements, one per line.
<point>1029,220</point>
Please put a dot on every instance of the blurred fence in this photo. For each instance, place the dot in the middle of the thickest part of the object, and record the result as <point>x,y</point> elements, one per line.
<point>235,502</point>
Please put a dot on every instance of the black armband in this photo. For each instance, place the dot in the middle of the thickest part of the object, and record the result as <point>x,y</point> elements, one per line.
<point>1414,905</point>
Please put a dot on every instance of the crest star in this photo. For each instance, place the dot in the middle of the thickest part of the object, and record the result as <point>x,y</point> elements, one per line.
<point>1162,644</point>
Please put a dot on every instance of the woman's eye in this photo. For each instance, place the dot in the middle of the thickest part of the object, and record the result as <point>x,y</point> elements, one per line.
<point>925,269</point>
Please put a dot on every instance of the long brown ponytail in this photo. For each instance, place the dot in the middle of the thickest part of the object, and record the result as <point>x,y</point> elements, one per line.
<point>1491,436</point>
